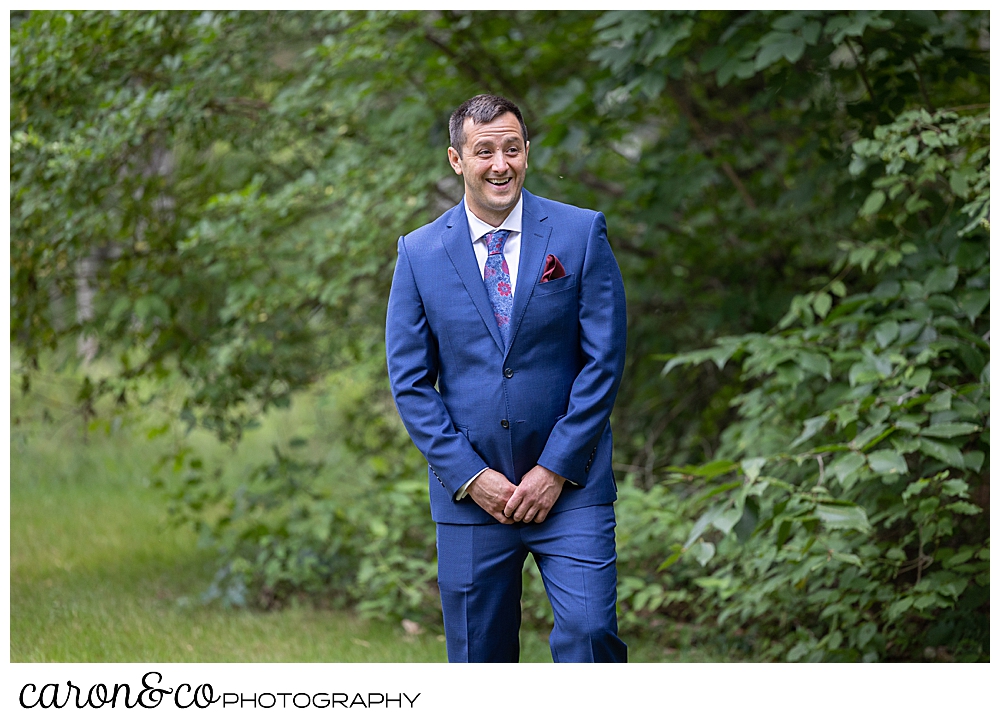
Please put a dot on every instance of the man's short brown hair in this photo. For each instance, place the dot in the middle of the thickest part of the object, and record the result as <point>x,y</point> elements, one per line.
<point>482,108</point>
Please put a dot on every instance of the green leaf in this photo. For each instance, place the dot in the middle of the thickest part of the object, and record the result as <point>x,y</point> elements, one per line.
<point>865,633</point>
<point>777,45</point>
<point>822,303</point>
<point>725,521</point>
<point>665,38</point>
<point>748,522</point>
<point>872,204</point>
<point>914,488</point>
<point>846,465</point>
<point>919,379</point>
<point>810,428</point>
<point>940,402</point>
<point>887,461</point>
<point>973,302</point>
<point>886,333</point>
<point>863,372</point>
<point>964,508</point>
<point>810,32</point>
<point>947,453</point>
<point>789,21</point>
<point>752,467</point>
<point>719,354</point>
<point>713,58</point>
<point>835,639</point>
<point>798,651</point>
<point>837,517</point>
<point>941,279</point>
<point>155,432</point>
<point>815,363</point>
<point>708,471</point>
<point>849,558</point>
<point>955,487</point>
<point>670,560</point>
<point>703,552</point>
<point>702,524</point>
<point>784,532</point>
<point>949,429</point>
<point>959,182</point>
<point>974,460</point>
<point>871,436</point>
<point>899,607</point>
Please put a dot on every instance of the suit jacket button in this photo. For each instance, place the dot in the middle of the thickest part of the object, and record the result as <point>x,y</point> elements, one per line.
<point>508,372</point>
<point>505,424</point>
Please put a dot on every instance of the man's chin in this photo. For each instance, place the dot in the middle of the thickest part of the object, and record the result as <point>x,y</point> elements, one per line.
<point>498,202</point>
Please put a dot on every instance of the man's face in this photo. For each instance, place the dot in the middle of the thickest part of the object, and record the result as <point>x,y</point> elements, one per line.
<point>493,163</point>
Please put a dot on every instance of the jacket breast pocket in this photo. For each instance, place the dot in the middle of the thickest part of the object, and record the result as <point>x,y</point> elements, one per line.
<point>555,286</point>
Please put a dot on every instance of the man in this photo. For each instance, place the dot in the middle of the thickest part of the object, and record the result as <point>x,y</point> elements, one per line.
<point>505,341</point>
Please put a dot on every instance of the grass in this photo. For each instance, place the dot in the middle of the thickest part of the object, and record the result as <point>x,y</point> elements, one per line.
<point>97,574</point>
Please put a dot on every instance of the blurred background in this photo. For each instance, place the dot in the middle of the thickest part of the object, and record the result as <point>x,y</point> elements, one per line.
<point>206,464</point>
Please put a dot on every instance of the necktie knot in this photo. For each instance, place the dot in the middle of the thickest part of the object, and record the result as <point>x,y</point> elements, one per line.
<point>495,241</point>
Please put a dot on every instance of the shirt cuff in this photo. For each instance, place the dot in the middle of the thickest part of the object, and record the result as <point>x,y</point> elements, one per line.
<point>464,489</point>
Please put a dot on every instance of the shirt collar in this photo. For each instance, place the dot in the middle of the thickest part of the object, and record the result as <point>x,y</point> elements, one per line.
<point>478,228</point>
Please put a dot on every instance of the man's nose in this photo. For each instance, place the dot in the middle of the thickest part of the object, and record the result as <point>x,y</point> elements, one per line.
<point>499,162</point>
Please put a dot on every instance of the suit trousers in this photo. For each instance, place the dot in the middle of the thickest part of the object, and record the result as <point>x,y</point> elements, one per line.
<point>479,575</point>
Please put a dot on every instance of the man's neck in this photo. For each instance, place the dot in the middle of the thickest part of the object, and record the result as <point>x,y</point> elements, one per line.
<point>492,218</point>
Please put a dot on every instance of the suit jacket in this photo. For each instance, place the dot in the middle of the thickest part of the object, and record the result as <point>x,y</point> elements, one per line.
<point>468,402</point>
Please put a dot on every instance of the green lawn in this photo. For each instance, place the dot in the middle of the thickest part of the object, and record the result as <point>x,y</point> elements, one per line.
<point>96,574</point>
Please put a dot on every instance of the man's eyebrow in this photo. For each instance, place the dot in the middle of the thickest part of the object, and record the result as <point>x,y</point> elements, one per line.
<point>487,142</point>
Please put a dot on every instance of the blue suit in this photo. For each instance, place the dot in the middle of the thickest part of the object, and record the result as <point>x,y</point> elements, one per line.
<point>469,403</point>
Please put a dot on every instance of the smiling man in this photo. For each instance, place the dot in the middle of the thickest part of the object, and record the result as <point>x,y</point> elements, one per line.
<point>505,341</point>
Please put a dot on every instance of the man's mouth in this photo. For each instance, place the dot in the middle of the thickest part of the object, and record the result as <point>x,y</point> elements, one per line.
<point>500,182</point>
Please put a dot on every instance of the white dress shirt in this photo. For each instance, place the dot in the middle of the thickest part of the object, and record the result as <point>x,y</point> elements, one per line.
<point>511,249</point>
<point>511,253</point>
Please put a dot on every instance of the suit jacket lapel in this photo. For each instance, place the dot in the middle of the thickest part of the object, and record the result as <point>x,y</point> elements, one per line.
<point>534,242</point>
<point>459,247</point>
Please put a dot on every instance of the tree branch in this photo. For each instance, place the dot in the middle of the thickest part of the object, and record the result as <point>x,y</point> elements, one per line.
<point>684,103</point>
<point>920,82</point>
<point>486,82</point>
<point>861,69</point>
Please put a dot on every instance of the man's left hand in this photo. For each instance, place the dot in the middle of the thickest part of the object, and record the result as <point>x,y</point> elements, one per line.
<point>534,497</point>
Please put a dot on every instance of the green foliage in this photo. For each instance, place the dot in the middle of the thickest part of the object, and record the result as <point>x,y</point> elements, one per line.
<point>865,433</point>
<point>355,532</point>
<point>221,167</point>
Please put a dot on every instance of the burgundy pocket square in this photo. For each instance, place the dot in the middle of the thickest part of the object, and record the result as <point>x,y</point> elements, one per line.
<point>553,269</point>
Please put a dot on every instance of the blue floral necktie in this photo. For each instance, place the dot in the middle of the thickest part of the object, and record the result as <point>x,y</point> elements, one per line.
<point>496,276</point>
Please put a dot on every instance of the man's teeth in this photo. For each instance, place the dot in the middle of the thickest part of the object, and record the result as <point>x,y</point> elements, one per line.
<point>499,181</point>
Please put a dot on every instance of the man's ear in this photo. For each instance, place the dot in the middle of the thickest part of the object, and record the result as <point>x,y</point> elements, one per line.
<point>455,160</point>
<point>527,147</point>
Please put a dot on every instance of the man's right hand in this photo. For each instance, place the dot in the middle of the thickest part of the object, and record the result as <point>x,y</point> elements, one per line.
<point>491,490</point>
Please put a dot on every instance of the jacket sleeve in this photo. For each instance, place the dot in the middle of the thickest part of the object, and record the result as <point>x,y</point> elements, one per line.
<point>573,441</point>
<point>412,357</point>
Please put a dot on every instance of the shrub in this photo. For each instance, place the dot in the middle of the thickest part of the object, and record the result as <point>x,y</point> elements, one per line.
<point>861,449</point>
